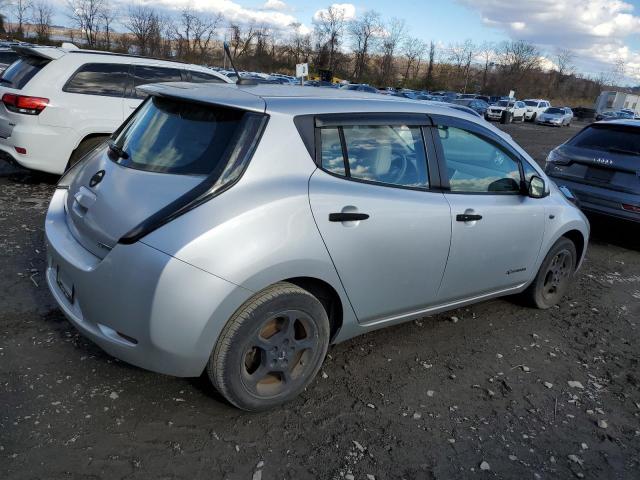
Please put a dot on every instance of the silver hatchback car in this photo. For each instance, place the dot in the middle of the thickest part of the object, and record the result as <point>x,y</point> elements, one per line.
<point>241,230</point>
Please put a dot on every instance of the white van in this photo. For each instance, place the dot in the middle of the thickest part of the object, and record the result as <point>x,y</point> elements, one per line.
<point>56,104</point>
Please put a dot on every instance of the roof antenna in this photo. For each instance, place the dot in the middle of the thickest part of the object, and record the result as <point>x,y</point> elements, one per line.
<point>240,81</point>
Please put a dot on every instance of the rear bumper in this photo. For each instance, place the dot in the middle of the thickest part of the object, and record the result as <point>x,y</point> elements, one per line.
<point>602,200</point>
<point>48,148</point>
<point>138,304</point>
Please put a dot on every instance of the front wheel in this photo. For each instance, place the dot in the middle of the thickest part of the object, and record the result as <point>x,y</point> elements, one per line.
<point>271,348</point>
<point>554,276</point>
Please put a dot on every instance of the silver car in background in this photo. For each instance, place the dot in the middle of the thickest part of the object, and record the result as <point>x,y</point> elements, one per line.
<point>241,230</point>
<point>555,116</point>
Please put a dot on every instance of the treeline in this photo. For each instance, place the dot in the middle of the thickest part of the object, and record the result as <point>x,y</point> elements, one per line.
<point>367,49</point>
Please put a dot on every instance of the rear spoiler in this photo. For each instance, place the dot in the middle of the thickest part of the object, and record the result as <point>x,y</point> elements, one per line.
<point>48,53</point>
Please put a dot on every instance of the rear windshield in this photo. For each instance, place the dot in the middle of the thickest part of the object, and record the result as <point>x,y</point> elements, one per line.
<point>8,57</point>
<point>610,138</point>
<point>18,74</point>
<point>169,136</point>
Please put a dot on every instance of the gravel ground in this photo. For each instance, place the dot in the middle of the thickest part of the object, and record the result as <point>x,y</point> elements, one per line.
<point>496,390</point>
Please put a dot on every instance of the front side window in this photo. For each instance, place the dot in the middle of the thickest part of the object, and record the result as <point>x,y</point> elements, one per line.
<point>388,154</point>
<point>99,79</point>
<point>169,136</point>
<point>150,74</point>
<point>476,165</point>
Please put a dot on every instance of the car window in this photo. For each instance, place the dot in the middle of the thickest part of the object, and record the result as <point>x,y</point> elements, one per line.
<point>475,165</point>
<point>150,74</point>
<point>529,171</point>
<point>389,154</point>
<point>168,136</point>
<point>18,74</point>
<point>202,77</point>
<point>99,79</point>
<point>609,138</point>
<point>8,57</point>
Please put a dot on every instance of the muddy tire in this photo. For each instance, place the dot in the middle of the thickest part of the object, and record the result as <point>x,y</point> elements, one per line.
<point>85,147</point>
<point>554,277</point>
<point>271,348</point>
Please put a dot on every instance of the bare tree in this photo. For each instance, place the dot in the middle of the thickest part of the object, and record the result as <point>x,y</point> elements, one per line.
<point>564,62</point>
<point>21,9</point>
<point>242,38</point>
<point>146,25</point>
<point>108,16</point>
<point>518,58</point>
<point>412,50</point>
<point>330,28</point>
<point>193,34</point>
<point>432,58</point>
<point>86,14</point>
<point>487,53</point>
<point>364,31</point>
<point>393,36</point>
<point>41,14</point>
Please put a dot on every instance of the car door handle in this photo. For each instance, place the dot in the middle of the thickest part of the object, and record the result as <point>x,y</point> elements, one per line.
<point>347,217</point>
<point>467,217</point>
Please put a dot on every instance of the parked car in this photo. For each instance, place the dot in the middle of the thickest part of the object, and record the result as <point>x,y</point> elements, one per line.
<point>496,98</point>
<point>516,109</point>
<point>600,166</point>
<point>479,106</point>
<point>7,57</point>
<point>614,115</point>
<point>57,104</point>
<point>181,246</point>
<point>360,87</point>
<point>555,116</point>
<point>535,107</point>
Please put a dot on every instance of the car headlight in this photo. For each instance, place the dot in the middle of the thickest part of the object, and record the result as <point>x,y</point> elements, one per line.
<point>558,158</point>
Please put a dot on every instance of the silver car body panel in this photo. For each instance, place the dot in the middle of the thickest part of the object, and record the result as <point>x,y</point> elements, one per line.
<point>174,290</point>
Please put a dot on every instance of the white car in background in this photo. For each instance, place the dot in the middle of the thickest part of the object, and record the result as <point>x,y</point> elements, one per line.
<point>57,104</point>
<point>517,109</point>
<point>535,107</point>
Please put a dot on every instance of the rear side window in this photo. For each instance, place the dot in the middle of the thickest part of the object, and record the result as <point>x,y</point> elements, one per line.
<point>201,77</point>
<point>18,74</point>
<point>8,57</point>
<point>388,154</point>
<point>99,79</point>
<point>149,74</point>
<point>475,165</point>
<point>169,136</point>
<point>610,138</point>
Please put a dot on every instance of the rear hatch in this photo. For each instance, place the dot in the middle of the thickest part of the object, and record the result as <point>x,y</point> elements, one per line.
<point>605,155</point>
<point>165,158</point>
<point>17,76</point>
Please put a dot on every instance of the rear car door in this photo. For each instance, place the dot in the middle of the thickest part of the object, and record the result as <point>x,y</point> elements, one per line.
<point>94,93</point>
<point>142,75</point>
<point>376,203</point>
<point>496,230</point>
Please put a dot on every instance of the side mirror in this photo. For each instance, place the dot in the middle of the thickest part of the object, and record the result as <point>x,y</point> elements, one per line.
<point>537,187</point>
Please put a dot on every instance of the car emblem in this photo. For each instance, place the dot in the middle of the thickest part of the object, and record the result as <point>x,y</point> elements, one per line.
<point>97,178</point>
<point>603,161</point>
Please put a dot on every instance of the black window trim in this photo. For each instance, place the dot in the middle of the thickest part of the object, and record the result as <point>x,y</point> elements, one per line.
<point>419,120</point>
<point>124,90</point>
<point>484,134</point>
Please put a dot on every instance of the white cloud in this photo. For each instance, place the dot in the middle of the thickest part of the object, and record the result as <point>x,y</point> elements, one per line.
<point>275,5</point>
<point>595,30</point>
<point>348,11</point>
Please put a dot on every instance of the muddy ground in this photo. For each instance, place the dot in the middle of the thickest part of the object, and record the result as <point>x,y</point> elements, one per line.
<point>431,399</point>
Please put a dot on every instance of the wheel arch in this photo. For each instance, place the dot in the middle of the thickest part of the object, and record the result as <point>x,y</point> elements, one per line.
<point>327,295</point>
<point>578,240</point>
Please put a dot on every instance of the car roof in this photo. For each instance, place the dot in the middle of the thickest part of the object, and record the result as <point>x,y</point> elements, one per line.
<point>627,122</point>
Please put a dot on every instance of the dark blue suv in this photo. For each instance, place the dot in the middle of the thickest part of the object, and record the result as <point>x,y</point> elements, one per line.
<point>601,166</point>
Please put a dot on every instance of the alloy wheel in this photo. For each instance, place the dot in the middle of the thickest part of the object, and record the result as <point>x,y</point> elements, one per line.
<point>557,275</point>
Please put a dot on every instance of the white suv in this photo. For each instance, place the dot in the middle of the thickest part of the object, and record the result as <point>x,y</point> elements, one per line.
<point>56,104</point>
<point>535,107</point>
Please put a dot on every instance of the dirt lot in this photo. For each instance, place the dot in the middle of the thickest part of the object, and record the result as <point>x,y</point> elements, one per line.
<point>431,399</point>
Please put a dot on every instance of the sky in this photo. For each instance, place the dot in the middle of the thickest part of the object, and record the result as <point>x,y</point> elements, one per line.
<point>600,33</point>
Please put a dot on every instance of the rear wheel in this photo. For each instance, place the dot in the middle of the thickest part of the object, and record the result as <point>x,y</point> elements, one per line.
<point>85,147</point>
<point>271,348</point>
<point>554,275</point>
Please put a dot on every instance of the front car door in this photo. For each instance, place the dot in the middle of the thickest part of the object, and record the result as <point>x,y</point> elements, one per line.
<point>376,203</point>
<point>496,229</point>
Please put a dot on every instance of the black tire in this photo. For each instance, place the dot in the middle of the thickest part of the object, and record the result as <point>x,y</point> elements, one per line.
<point>533,117</point>
<point>85,147</point>
<point>554,276</point>
<point>261,359</point>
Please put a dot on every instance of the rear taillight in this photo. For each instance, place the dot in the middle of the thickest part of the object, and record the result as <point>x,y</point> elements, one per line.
<point>24,104</point>
<point>631,208</point>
